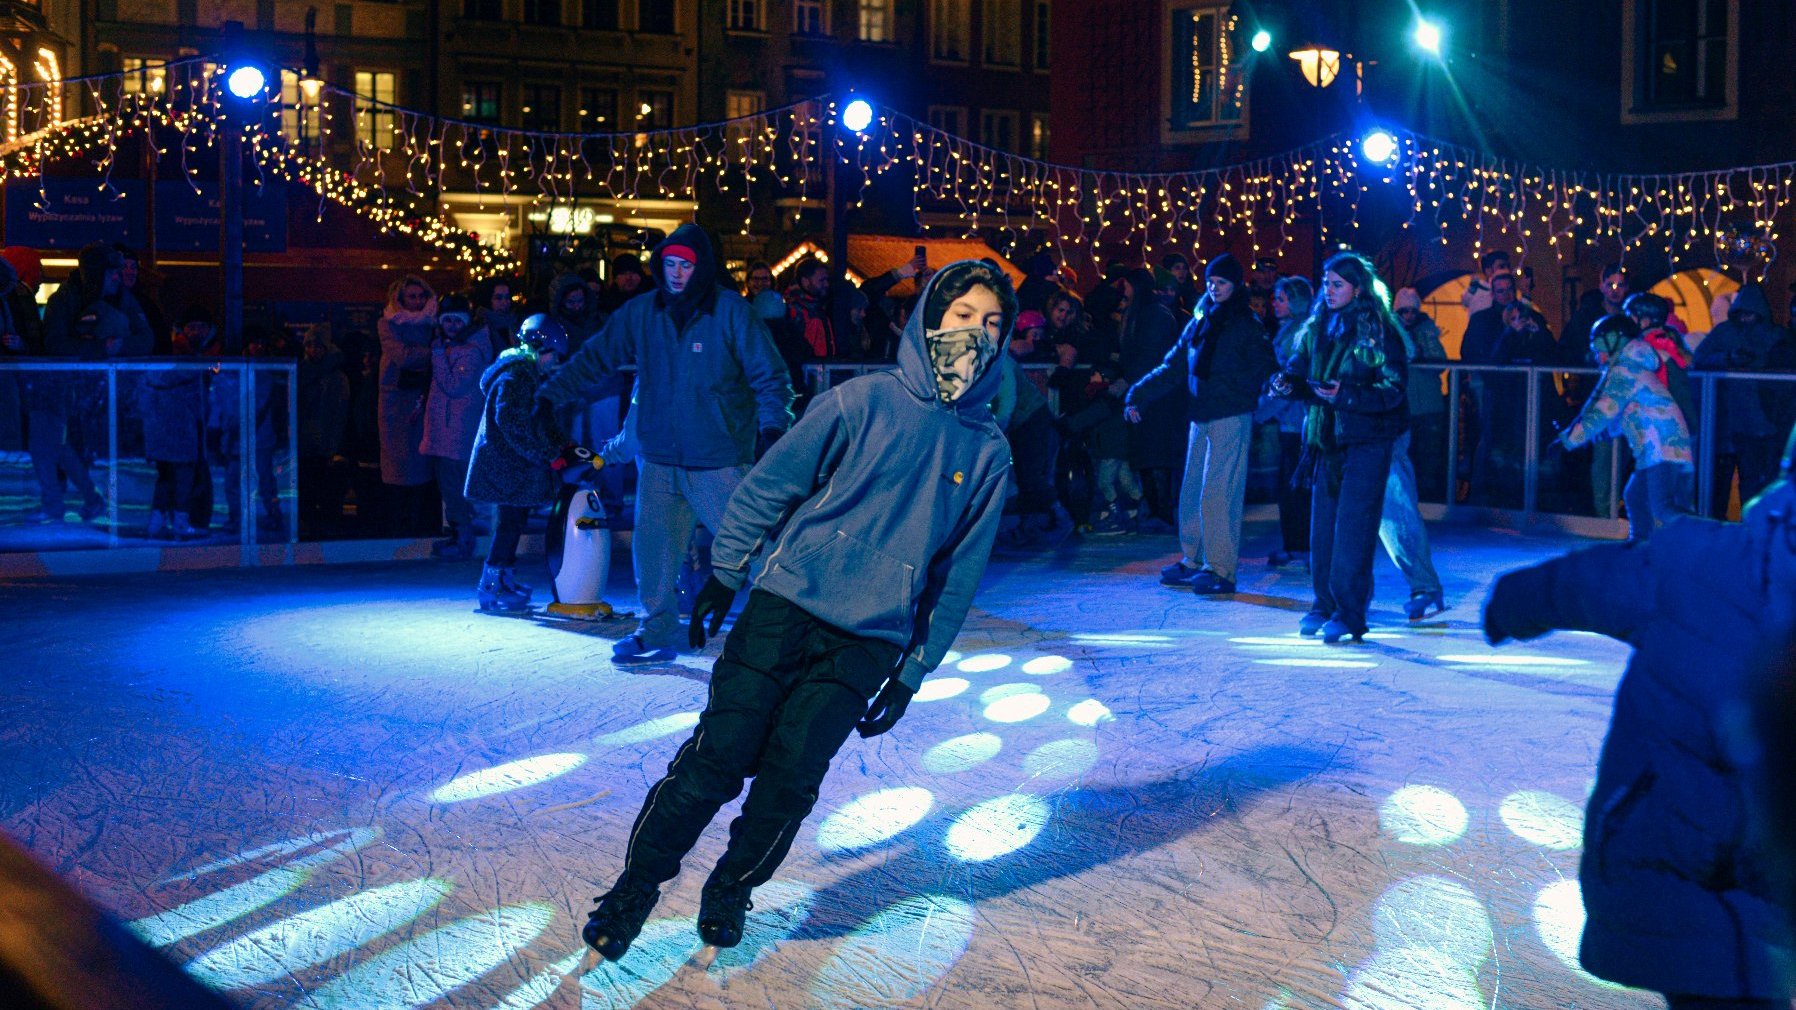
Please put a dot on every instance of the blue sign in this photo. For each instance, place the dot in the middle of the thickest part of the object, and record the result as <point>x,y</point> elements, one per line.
<point>187,221</point>
<point>70,213</point>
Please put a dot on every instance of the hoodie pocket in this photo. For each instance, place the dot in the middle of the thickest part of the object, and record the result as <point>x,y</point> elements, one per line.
<point>876,586</point>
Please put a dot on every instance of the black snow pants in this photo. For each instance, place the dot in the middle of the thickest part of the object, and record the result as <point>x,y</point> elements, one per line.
<point>785,694</point>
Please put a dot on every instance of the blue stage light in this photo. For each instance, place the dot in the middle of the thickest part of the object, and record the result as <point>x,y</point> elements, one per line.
<point>857,115</point>
<point>1428,37</point>
<point>247,81</point>
<point>1262,41</point>
<point>1379,147</point>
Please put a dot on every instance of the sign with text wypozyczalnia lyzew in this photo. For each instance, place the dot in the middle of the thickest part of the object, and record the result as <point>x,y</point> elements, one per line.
<point>187,221</point>
<point>70,213</point>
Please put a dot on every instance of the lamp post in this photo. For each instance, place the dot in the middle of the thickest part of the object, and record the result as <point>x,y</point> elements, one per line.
<point>853,120</point>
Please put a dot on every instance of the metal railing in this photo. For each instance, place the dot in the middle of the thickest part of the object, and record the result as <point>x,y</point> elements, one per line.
<point>73,393</point>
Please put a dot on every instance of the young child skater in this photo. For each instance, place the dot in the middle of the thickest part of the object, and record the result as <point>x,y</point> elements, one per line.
<point>516,463</point>
<point>872,521</point>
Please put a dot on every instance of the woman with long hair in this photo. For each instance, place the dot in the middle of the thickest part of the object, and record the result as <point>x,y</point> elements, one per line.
<point>1349,370</point>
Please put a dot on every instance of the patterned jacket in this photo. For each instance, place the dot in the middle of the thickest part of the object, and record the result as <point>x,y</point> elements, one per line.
<point>1632,400</point>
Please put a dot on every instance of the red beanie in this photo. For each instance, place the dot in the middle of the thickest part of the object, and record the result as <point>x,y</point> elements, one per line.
<point>680,252</point>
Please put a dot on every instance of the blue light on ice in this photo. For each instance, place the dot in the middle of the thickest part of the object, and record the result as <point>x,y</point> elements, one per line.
<point>1061,759</point>
<point>426,969</point>
<point>983,664</point>
<point>1423,815</point>
<point>1044,666</point>
<point>1003,691</point>
<point>873,818</point>
<point>654,729</point>
<point>1089,712</point>
<point>1017,708</point>
<point>961,752</point>
<point>1544,819</point>
<point>897,956</point>
<point>507,777</point>
<point>997,827</point>
<point>939,688</point>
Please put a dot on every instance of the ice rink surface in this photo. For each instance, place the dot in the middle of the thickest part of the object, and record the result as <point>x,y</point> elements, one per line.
<point>342,787</point>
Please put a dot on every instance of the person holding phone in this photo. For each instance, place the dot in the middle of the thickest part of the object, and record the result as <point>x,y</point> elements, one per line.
<point>1348,368</point>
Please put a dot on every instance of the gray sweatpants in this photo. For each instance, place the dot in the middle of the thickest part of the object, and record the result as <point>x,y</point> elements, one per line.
<point>668,500</point>
<point>1214,492</point>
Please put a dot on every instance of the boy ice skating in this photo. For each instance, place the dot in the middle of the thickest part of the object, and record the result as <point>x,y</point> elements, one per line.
<point>872,519</point>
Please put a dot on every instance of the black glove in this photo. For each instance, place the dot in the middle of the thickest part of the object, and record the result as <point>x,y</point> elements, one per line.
<point>764,441</point>
<point>1509,613</point>
<point>713,601</point>
<point>886,709</point>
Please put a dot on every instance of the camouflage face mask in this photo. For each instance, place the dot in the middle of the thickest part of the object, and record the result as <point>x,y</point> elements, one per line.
<point>958,357</point>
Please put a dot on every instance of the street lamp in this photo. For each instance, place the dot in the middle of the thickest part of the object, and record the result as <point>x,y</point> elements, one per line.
<point>247,84</point>
<point>1428,37</point>
<point>856,116</point>
<point>1262,40</point>
<point>1378,147</point>
<point>1320,64</point>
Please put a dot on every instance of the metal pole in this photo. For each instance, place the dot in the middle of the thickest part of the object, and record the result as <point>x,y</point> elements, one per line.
<point>1451,496</point>
<point>1705,447</point>
<point>230,233</point>
<point>292,510</point>
<point>1531,450</point>
<point>111,456</point>
<point>838,207</point>
<point>246,456</point>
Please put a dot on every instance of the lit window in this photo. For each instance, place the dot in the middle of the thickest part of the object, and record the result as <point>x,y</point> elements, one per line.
<point>741,105</point>
<point>481,101</point>
<point>1208,74</point>
<point>376,94</point>
<point>299,112</point>
<point>598,110</point>
<point>948,30</point>
<point>1683,54</point>
<point>1038,136</point>
<point>876,20</point>
<point>143,76</point>
<point>655,110</point>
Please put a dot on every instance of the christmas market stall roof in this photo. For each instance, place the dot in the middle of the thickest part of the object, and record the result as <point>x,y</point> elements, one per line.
<point>872,255</point>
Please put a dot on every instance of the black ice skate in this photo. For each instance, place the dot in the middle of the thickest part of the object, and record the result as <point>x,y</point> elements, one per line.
<point>612,927</point>
<point>721,908</point>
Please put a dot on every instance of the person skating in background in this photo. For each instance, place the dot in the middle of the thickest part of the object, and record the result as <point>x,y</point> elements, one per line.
<point>1100,425</point>
<point>1350,368</point>
<point>892,480</point>
<point>1290,306</point>
<point>324,405</point>
<point>407,326</point>
<point>1679,893</point>
<point>512,464</point>
<point>173,405</point>
<point>459,356</point>
<point>1158,442</point>
<point>1751,416</point>
<point>1632,400</point>
<point>711,389</point>
<point>1400,527</point>
<point>1220,362</point>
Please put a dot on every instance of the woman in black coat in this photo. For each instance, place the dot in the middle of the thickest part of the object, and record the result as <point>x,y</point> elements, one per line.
<point>1157,444</point>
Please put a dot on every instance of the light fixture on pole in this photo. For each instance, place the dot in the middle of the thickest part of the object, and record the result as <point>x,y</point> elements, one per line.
<point>1378,147</point>
<point>1428,36</point>
<point>1262,40</point>
<point>1320,64</point>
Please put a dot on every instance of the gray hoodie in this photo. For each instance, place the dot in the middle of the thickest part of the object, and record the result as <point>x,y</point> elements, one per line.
<point>876,512</point>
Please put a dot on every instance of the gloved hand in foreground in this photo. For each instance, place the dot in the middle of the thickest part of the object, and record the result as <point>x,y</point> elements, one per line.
<point>886,709</point>
<point>1512,599</point>
<point>712,602</point>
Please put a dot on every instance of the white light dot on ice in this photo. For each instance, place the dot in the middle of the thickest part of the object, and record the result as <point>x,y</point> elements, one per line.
<point>1017,708</point>
<point>1319,664</point>
<point>1291,640</point>
<point>1003,691</point>
<point>939,688</point>
<point>961,753</point>
<point>1061,759</point>
<point>1089,712</point>
<point>1544,819</point>
<point>659,952</point>
<point>1559,919</point>
<point>1120,638</point>
<point>896,957</point>
<point>654,729</point>
<point>950,657</point>
<point>507,777</point>
<point>1043,666</point>
<point>781,906</point>
<point>315,936</point>
<point>873,818</point>
<point>1412,979</point>
<point>1423,815</point>
<point>1506,659</point>
<point>983,664</point>
<point>457,954</point>
<point>1436,914</point>
<point>997,827</point>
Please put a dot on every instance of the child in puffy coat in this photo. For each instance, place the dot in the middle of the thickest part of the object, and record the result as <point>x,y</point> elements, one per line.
<point>1632,400</point>
<point>459,356</point>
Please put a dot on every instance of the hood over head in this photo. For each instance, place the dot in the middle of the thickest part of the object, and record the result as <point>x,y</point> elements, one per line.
<point>701,290</point>
<point>1751,298</point>
<point>931,359</point>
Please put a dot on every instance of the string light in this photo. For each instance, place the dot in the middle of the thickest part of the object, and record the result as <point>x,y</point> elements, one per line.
<point>388,162</point>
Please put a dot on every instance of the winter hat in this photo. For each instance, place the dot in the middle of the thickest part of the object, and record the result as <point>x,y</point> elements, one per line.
<point>769,305</point>
<point>627,263</point>
<point>455,305</point>
<point>1406,299</point>
<point>1031,320</point>
<point>683,252</point>
<point>1226,267</point>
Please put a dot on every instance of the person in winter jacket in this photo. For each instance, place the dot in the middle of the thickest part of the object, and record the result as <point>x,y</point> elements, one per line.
<point>225,404</point>
<point>497,313</point>
<point>808,305</point>
<point>21,336</point>
<point>1290,305</point>
<point>1021,410</point>
<point>512,462</point>
<point>1679,891</point>
<point>1099,422</point>
<point>868,527</point>
<point>459,356</point>
<point>710,386</point>
<point>1349,370</point>
<point>1632,400</point>
<point>1400,529</point>
<point>626,282</point>
<point>323,409</point>
<point>173,406</point>
<point>406,328</point>
<point>1751,416</point>
<point>90,317</point>
<point>1158,442</point>
<point>1222,359</point>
